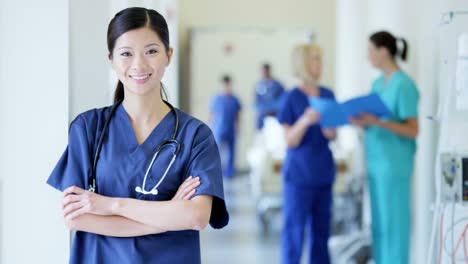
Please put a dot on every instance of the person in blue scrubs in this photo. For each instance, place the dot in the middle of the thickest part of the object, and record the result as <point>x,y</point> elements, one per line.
<point>390,148</point>
<point>118,223</point>
<point>268,92</point>
<point>309,168</point>
<point>224,118</point>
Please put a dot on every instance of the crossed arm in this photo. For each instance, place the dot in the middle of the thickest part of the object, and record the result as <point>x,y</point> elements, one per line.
<point>126,217</point>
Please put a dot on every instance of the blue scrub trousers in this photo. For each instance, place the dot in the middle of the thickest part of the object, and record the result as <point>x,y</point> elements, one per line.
<point>306,208</point>
<point>391,219</point>
<point>227,145</point>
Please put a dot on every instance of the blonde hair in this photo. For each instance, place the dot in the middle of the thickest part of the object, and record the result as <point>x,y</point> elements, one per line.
<point>301,57</point>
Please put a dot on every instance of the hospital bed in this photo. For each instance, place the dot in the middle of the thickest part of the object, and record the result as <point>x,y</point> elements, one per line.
<point>265,159</point>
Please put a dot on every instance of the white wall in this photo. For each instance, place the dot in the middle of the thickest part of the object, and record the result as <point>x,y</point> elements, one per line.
<point>3,114</point>
<point>34,88</point>
<point>453,122</point>
<point>314,15</point>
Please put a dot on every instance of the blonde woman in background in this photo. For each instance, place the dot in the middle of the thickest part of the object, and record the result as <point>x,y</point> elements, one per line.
<point>308,169</point>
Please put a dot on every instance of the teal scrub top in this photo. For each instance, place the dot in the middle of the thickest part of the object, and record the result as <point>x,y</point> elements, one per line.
<point>388,153</point>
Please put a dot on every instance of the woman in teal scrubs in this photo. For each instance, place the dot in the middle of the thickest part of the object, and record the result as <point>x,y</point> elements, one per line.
<point>390,147</point>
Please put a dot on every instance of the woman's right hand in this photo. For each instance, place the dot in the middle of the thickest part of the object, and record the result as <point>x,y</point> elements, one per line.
<point>310,117</point>
<point>187,189</point>
<point>364,120</point>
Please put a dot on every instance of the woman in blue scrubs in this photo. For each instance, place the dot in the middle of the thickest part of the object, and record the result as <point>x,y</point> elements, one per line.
<point>390,147</point>
<point>127,220</point>
<point>308,169</point>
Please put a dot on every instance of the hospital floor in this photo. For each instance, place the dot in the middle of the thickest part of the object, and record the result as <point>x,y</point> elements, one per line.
<point>242,240</point>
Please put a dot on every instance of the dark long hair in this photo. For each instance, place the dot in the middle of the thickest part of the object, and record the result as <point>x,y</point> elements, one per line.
<point>134,18</point>
<point>390,42</point>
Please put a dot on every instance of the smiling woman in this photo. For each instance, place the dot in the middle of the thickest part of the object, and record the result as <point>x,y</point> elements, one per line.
<point>114,220</point>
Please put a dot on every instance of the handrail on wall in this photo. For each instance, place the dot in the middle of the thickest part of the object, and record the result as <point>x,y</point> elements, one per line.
<point>448,17</point>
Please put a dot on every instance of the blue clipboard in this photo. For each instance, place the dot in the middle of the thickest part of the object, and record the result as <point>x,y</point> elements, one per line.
<point>371,104</point>
<point>331,113</point>
<point>334,114</point>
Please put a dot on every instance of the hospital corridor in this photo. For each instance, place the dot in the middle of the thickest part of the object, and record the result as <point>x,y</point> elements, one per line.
<point>234,132</point>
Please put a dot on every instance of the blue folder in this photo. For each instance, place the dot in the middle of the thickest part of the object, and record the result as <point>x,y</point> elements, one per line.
<point>334,114</point>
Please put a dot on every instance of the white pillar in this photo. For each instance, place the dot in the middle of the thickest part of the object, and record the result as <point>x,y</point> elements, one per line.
<point>351,48</point>
<point>34,122</point>
<point>351,62</point>
<point>426,58</point>
<point>89,65</point>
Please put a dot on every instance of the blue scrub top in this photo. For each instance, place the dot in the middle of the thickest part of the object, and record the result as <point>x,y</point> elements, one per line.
<point>385,150</point>
<point>121,167</point>
<point>268,93</point>
<point>310,163</point>
<point>225,109</point>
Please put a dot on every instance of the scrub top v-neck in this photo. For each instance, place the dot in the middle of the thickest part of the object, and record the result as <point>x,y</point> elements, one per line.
<point>121,167</point>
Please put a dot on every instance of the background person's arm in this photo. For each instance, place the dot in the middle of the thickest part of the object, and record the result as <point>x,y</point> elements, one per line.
<point>295,133</point>
<point>408,128</point>
<point>329,133</point>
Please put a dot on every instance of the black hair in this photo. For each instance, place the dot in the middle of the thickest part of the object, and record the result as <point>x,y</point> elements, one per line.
<point>266,66</point>
<point>134,18</point>
<point>226,78</point>
<point>390,42</point>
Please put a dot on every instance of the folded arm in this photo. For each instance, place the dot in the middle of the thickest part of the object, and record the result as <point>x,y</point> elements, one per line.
<point>167,215</point>
<point>110,225</point>
<point>94,213</point>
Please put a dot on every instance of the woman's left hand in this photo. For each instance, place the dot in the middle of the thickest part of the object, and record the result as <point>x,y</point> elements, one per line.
<point>329,133</point>
<point>77,201</point>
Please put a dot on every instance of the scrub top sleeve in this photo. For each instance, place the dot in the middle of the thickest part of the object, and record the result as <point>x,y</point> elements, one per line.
<point>375,85</point>
<point>285,113</point>
<point>73,167</point>
<point>408,98</point>
<point>279,89</point>
<point>329,94</point>
<point>205,163</point>
<point>332,94</point>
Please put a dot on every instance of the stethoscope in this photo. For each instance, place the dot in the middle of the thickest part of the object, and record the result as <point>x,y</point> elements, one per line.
<point>139,189</point>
